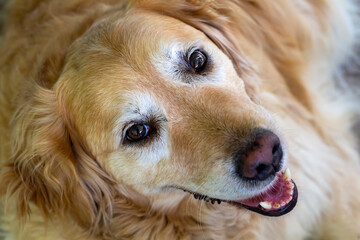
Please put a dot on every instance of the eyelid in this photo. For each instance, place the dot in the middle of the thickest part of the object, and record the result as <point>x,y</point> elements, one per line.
<point>155,124</point>
<point>148,130</point>
<point>129,124</point>
<point>192,50</point>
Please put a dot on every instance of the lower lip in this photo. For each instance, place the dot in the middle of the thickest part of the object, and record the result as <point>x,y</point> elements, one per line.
<point>273,212</point>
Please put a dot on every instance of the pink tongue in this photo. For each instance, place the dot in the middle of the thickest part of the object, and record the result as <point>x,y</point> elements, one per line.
<point>276,194</point>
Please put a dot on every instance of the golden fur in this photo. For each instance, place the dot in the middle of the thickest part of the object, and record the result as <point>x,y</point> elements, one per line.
<point>70,69</point>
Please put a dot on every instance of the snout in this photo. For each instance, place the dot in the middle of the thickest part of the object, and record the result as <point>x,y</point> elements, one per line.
<point>261,158</point>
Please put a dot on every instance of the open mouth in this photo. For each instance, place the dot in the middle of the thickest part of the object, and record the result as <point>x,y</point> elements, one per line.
<point>278,200</point>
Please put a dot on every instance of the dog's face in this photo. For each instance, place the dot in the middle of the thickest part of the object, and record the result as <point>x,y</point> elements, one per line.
<point>162,108</point>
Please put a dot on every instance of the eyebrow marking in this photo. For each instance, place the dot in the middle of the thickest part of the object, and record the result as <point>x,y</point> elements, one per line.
<point>172,62</point>
<point>138,107</point>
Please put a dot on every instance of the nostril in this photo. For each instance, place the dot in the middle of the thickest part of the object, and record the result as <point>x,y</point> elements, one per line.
<point>277,156</point>
<point>261,168</point>
<point>275,148</point>
<point>263,171</point>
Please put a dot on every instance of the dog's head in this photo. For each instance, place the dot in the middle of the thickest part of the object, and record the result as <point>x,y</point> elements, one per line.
<point>154,103</point>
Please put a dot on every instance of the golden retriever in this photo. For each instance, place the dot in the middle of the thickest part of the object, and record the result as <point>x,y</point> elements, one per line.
<point>177,119</point>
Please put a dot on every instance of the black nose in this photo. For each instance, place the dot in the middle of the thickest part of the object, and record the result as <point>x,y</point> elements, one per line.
<point>262,157</point>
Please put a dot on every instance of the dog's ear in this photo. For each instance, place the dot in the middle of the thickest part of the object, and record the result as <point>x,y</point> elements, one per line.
<point>50,166</point>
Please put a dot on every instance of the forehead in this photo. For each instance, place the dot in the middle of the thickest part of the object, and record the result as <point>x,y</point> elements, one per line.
<point>145,30</point>
<point>128,45</point>
<point>121,52</point>
<point>137,35</point>
<point>136,50</point>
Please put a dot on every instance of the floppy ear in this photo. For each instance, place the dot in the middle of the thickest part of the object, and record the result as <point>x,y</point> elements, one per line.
<point>51,167</point>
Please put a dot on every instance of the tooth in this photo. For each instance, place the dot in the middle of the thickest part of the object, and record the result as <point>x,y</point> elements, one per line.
<point>196,196</point>
<point>290,191</point>
<point>266,205</point>
<point>206,199</point>
<point>218,201</point>
<point>282,203</point>
<point>276,205</point>
<point>287,175</point>
<point>291,185</point>
<point>212,201</point>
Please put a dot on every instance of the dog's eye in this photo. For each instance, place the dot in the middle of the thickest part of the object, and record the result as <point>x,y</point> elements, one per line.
<point>137,132</point>
<point>198,60</point>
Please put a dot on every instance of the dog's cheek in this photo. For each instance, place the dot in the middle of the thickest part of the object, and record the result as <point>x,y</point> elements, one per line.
<point>141,168</point>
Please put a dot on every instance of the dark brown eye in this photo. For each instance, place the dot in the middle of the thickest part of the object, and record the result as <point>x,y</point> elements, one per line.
<point>198,60</point>
<point>137,132</point>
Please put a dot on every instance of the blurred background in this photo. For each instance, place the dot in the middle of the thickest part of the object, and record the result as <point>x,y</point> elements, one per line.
<point>2,2</point>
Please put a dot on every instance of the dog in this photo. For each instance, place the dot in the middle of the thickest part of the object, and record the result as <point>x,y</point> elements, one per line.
<point>178,119</point>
